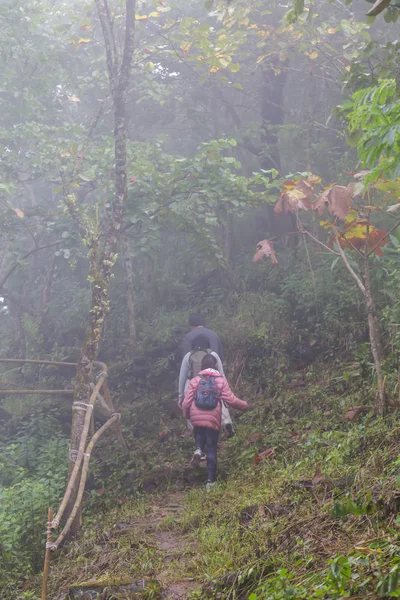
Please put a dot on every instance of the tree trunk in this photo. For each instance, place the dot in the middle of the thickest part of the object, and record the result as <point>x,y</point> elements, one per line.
<point>129,290</point>
<point>272,114</point>
<point>374,337</point>
<point>102,260</point>
<point>373,323</point>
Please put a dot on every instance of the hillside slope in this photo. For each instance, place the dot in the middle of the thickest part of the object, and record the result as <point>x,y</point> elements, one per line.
<point>313,517</point>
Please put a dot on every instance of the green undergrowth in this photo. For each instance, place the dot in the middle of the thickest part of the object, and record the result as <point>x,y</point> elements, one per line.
<point>319,520</point>
<point>314,517</point>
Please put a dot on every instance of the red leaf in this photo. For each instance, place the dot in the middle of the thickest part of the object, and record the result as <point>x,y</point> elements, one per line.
<point>262,456</point>
<point>133,179</point>
<point>336,199</point>
<point>253,438</point>
<point>265,248</point>
<point>294,198</point>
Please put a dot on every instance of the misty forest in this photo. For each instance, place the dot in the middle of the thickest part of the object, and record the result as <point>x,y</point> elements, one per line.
<point>199,299</point>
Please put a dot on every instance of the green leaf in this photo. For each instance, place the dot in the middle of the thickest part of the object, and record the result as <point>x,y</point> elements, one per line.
<point>299,6</point>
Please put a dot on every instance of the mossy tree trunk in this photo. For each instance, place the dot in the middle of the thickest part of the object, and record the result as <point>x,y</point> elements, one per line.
<point>102,257</point>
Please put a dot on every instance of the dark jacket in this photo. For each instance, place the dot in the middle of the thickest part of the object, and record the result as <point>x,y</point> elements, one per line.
<point>215,342</point>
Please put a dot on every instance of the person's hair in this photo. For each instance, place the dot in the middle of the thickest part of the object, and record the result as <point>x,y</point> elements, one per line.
<point>196,320</point>
<point>201,342</point>
<point>209,362</point>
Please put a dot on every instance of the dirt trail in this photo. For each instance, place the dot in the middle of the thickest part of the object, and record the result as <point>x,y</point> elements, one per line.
<point>174,547</point>
<point>175,550</point>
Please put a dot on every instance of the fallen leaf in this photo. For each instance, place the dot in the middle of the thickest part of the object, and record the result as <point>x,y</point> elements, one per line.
<point>154,14</point>
<point>354,411</point>
<point>366,550</point>
<point>133,179</point>
<point>262,456</point>
<point>73,99</point>
<point>85,27</point>
<point>253,438</point>
<point>265,248</point>
<point>318,477</point>
<point>141,17</point>
<point>313,55</point>
<point>331,30</point>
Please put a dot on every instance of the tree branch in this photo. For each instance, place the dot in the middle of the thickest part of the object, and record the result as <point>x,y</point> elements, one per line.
<point>111,67</point>
<point>384,238</point>
<point>12,269</point>
<point>348,266</point>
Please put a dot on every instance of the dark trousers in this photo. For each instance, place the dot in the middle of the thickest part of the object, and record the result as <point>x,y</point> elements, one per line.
<point>207,439</point>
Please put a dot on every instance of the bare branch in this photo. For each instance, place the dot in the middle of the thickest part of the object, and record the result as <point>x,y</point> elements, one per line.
<point>348,266</point>
<point>12,269</point>
<point>384,238</point>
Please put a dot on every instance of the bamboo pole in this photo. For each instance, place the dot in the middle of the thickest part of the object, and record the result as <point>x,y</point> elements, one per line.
<point>38,362</point>
<point>40,392</point>
<point>117,427</point>
<point>47,554</point>
<point>82,483</point>
<point>81,449</point>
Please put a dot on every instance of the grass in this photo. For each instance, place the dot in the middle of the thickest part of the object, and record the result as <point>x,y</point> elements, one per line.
<point>317,520</point>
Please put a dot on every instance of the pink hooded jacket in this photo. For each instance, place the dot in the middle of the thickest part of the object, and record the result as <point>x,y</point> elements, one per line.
<point>209,418</point>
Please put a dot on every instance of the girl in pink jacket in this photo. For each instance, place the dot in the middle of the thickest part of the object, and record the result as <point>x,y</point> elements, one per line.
<point>207,423</point>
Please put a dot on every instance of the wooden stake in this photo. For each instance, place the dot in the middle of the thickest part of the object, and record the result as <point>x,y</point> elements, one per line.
<point>47,554</point>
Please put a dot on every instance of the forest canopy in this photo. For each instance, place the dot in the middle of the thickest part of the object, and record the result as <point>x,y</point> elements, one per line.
<point>147,152</point>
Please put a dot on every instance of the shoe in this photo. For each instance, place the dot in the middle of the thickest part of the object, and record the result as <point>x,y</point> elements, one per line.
<point>210,486</point>
<point>196,458</point>
<point>203,457</point>
<point>229,431</point>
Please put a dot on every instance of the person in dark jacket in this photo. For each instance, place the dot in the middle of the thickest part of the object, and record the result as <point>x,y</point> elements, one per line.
<point>198,326</point>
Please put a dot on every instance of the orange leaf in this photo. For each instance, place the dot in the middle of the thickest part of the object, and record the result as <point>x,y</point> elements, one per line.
<point>73,99</point>
<point>355,234</point>
<point>265,248</point>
